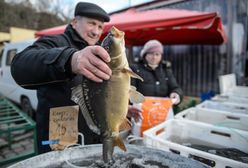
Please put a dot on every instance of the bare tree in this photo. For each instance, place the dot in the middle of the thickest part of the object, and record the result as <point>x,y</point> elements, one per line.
<point>29,15</point>
<point>63,10</point>
<point>59,8</point>
<point>43,5</point>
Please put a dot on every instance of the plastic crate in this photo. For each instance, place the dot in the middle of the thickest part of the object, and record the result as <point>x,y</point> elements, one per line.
<point>170,136</point>
<point>224,106</point>
<point>228,86</point>
<point>239,91</point>
<point>230,99</point>
<point>215,117</point>
<point>17,134</point>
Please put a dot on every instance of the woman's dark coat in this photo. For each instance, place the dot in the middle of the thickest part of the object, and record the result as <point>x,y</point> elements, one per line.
<point>159,82</point>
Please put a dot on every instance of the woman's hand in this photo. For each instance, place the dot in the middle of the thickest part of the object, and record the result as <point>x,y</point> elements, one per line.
<point>135,113</point>
<point>175,98</point>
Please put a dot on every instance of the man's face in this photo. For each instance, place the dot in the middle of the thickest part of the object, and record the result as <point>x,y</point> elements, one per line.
<point>89,29</point>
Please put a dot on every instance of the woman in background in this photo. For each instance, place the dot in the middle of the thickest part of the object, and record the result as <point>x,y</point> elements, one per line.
<point>159,80</point>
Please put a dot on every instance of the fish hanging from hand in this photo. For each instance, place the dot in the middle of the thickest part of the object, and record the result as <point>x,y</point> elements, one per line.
<point>105,105</point>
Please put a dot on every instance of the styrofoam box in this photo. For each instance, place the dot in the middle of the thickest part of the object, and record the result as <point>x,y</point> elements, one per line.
<point>215,117</point>
<point>170,136</point>
<point>224,106</point>
<point>230,99</point>
<point>227,82</point>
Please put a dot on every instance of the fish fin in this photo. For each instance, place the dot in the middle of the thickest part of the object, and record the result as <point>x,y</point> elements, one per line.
<point>77,97</point>
<point>135,96</point>
<point>119,142</point>
<point>126,124</point>
<point>133,87</point>
<point>132,74</point>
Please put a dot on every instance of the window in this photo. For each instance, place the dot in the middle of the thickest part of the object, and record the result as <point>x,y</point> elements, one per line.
<point>10,56</point>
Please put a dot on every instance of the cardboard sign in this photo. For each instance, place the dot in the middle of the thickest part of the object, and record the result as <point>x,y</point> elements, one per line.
<point>63,126</point>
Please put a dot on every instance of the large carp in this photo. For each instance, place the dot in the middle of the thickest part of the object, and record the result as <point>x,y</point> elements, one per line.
<point>105,105</point>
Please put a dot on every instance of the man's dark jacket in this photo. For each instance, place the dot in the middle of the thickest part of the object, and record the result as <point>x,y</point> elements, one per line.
<point>159,82</point>
<point>45,66</point>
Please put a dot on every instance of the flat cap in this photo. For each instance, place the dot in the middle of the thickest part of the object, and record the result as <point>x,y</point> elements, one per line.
<point>91,10</point>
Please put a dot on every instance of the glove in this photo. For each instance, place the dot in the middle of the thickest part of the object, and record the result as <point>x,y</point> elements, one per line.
<point>175,98</point>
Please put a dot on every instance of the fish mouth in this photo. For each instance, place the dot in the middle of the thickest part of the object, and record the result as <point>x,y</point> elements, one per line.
<point>116,33</point>
<point>107,42</point>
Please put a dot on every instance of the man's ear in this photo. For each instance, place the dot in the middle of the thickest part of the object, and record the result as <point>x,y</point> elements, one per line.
<point>73,22</point>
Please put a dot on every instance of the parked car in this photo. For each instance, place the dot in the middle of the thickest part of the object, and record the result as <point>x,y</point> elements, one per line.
<point>27,99</point>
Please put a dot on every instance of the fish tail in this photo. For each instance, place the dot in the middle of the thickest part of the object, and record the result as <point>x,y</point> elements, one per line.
<point>108,149</point>
<point>119,142</point>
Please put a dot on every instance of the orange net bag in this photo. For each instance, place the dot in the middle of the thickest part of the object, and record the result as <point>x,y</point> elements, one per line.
<point>155,110</point>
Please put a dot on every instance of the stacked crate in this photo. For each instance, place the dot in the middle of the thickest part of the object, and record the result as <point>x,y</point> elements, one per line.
<point>220,123</point>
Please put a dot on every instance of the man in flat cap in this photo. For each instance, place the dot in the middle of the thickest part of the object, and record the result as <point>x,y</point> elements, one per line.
<point>53,64</point>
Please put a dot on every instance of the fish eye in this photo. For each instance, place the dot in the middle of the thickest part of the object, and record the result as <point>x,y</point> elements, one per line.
<point>106,48</point>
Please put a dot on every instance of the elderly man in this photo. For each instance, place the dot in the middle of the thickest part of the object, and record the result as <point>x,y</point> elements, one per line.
<point>54,64</point>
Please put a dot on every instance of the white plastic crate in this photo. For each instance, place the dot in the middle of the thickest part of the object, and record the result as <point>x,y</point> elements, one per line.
<point>239,91</point>
<point>230,99</point>
<point>170,136</point>
<point>215,117</point>
<point>228,86</point>
<point>224,106</point>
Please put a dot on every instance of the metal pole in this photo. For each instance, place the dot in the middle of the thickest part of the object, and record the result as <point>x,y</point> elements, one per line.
<point>230,22</point>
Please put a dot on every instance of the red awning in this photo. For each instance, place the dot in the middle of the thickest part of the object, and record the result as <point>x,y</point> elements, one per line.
<point>51,31</point>
<point>166,25</point>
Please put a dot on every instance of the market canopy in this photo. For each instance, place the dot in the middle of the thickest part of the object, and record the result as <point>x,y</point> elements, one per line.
<point>169,26</point>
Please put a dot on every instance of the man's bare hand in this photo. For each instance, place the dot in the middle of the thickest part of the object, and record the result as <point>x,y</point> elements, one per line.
<point>91,62</point>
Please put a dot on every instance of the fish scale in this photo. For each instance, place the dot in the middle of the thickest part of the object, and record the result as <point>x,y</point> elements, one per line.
<point>80,97</point>
<point>95,92</point>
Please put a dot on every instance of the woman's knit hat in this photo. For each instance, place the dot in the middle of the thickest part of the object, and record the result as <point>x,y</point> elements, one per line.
<point>152,46</point>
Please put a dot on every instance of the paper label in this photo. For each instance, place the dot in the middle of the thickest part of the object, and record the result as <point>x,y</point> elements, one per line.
<point>63,126</point>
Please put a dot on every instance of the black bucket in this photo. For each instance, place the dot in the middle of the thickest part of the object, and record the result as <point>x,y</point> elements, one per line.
<point>90,156</point>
